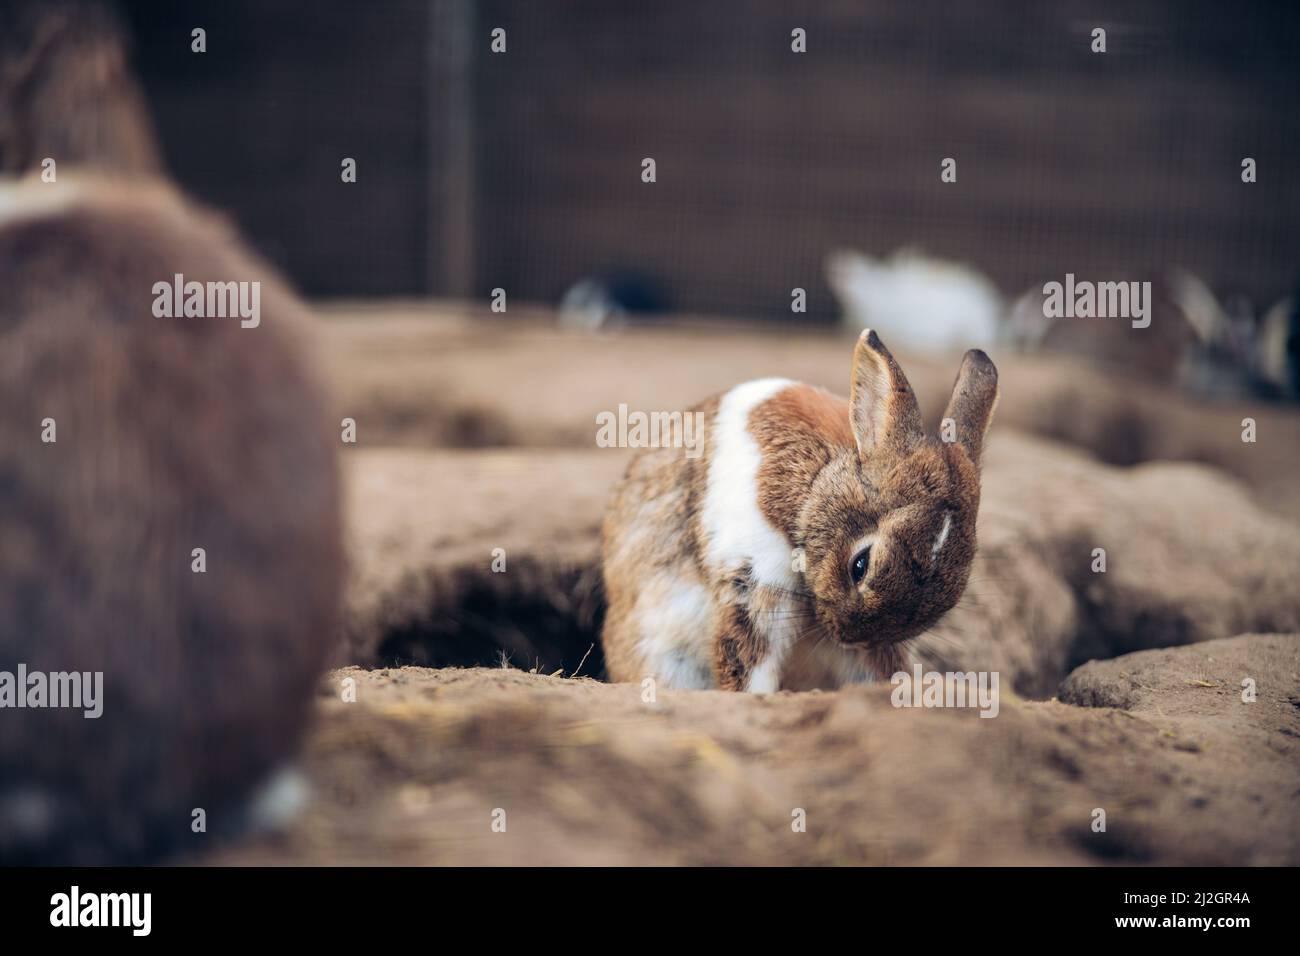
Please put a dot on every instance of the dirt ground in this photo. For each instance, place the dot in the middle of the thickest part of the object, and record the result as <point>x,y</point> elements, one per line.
<point>419,767</point>
<point>418,376</point>
<point>1121,691</point>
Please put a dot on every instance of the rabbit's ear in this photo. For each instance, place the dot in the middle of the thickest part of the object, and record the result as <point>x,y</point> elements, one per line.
<point>974,396</point>
<point>1199,307</point>
<point>883,409</point>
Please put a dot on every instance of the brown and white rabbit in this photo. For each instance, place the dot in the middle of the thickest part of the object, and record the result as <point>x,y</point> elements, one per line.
<point>807,543</point>
<point>127,440</point>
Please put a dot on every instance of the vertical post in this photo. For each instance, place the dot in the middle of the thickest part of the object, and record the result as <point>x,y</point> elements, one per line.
<point>450,238</point>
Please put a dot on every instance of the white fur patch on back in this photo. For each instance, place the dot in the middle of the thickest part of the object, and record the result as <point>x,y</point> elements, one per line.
<point>24,199</point>
<point>738,535</point>
<point>736,532</point>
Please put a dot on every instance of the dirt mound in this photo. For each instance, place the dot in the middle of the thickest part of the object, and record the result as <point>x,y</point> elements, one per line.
<point>460,556</point>
<point>427,376</point>
<point>420,766</point>
<point>1203,682</point>
<point>1188,557</point>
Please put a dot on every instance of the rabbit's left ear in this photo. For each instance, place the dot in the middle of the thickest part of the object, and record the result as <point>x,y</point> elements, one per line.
<point>883,409</point>
<point>974,397</point>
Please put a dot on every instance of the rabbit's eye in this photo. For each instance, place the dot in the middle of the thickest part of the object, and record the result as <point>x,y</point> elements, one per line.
<point>858,567</point>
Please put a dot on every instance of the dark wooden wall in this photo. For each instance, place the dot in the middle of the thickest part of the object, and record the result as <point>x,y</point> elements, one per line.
<point>1096,164</point>
<point>260,123</point>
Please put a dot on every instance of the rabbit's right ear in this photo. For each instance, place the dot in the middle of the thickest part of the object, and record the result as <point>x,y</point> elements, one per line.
<point>883,409</point>
<point>974,396</point>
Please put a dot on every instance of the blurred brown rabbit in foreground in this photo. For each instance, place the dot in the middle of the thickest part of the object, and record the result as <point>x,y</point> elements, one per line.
<point>68,92</point>
<point>128,441</point>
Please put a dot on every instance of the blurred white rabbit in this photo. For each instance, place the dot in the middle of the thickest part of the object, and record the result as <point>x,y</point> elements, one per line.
<point>917,303</point>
